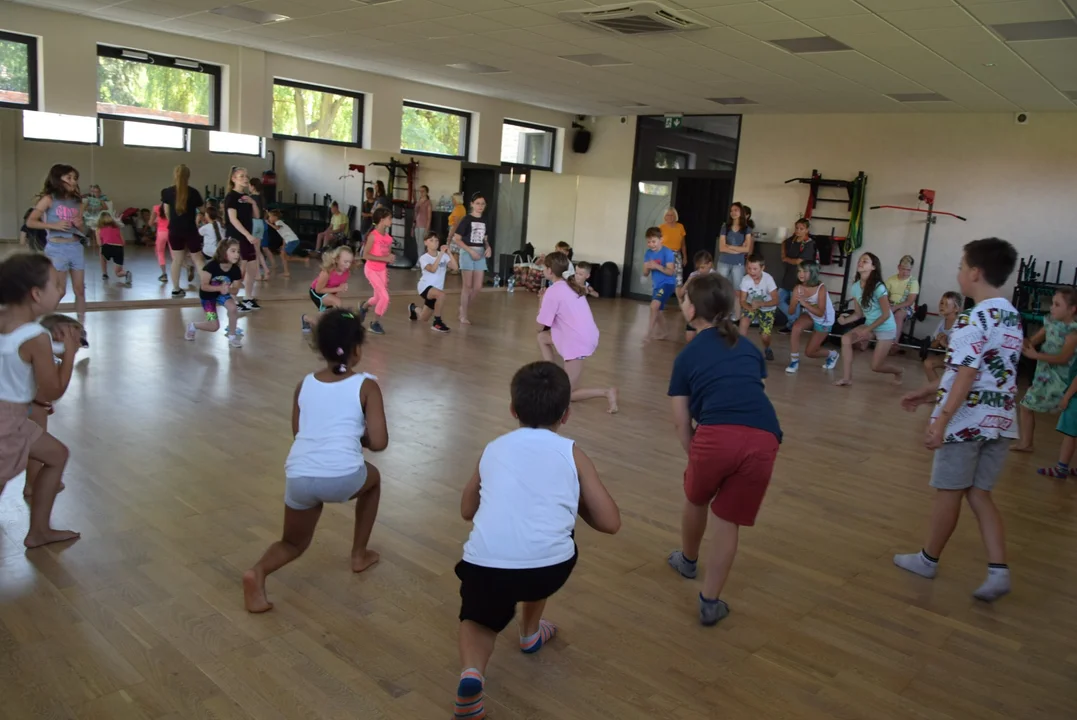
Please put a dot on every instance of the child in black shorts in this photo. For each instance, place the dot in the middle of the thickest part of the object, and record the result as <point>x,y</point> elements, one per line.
<point>522,547</point>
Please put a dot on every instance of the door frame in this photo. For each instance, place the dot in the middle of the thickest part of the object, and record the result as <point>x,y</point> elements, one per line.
<point>529,171</point>
<point>648,173</point>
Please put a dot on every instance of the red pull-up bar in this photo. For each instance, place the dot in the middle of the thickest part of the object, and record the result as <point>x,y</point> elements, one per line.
<point>922,210</point>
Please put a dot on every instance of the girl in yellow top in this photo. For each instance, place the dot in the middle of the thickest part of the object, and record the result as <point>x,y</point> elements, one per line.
<point>903,289</point>
<point>673,237</point>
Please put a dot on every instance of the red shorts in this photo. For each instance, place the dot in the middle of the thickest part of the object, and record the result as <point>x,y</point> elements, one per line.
<point>729,466</point>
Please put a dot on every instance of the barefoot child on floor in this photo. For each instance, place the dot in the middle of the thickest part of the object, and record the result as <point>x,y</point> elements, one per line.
<point>29,288</point>
<point>336,413</point>
<point>1057,343</point>
<point>949,308</point>
<point>758,301</point>
<point>703,262</point>
<point>220,280</point>
<point>523,500</point>
<point>330,283</point>
<point>1067,426</point>
<point>973,422</point>
<point>729,430</point>
<point>659,264</point>
<point>811,305</point>
<point>377,254</point>
<point>289,251</point>
<point>567,326</point>
<point>434,264</point>
<point>872,303</point>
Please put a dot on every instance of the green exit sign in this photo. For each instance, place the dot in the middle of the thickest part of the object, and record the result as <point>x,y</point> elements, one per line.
<point>674,121</point>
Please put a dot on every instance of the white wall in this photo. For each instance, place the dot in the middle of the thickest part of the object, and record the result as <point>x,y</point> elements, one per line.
<point>1010,181</point>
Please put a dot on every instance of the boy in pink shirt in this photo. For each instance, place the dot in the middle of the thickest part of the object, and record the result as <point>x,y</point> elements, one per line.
<point>568,327</point>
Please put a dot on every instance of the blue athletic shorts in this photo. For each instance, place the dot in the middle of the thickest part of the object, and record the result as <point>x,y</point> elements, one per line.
<point>661,294</point>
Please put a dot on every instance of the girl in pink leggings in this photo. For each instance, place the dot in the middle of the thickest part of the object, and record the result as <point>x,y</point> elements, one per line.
<point>377,254</point>
<point>159,221</point>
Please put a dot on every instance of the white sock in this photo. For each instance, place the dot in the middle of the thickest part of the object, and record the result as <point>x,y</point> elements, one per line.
<point>794,356</point>
<point>917,563</point>
<point>995,586</point>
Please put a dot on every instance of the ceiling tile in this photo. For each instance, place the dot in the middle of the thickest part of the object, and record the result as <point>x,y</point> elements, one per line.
<point>297,10</point>
<point>880,6</point>
<point>849,28</point>
<point>518,17</point>
<point>930,19</point>
<point>1054,59</point>
<point>779,30</point>
<point>811,9</point>
<point>472,6</point>
<point>865,71</point>
<point>1020,11</point>
<point>151,7</point>
<point>752,13</point>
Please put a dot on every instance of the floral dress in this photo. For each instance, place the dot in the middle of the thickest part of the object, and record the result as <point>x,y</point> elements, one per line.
<point>1051,381</point>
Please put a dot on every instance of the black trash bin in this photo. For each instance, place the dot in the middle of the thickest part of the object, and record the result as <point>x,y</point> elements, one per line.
<point>608,275</point>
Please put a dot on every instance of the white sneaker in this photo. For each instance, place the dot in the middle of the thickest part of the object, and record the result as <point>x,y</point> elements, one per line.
<point>191,332</point>
<point>234,341</point>
<point>794,365</point>
<point>831,360</point>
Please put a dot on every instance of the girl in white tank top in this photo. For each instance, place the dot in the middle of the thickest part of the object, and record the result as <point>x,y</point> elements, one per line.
<point>817,314</point>
<point>336,413</point>
<point>29,373</point>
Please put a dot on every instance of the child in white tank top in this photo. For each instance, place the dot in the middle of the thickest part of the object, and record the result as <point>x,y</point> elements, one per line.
<point>523,500</point>
<point>29,373</point>
<point>813,299</point>
<point>336,413</point>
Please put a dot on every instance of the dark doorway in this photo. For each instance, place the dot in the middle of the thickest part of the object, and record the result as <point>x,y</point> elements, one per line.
<point>702,204</point>
<point>482,178</point>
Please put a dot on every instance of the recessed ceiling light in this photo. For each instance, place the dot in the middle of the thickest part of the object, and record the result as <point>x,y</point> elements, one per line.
<point>594,60</point>
<point>804,45</point>
<point>476,68</point>
<point>733,101</point>
<point>1043,30</point>
<point>633,106</point>
<point>989,64</point>
<point>918,97</point>
<point>246,14</point>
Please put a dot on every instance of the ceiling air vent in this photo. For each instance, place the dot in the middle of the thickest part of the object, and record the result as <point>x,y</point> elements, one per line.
<point>639,18</point>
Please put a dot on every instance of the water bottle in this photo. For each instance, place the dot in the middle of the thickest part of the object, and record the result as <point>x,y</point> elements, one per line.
<point>511,284</point>
<point>497,281</point>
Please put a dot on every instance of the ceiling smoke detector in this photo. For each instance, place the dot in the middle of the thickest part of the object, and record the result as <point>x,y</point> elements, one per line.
<point>640,18</point>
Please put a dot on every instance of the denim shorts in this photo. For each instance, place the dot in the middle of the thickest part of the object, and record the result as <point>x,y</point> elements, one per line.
<point>467,263</point>
<point>258,230</point>
<point>818,327</point>
<point>66,256</point>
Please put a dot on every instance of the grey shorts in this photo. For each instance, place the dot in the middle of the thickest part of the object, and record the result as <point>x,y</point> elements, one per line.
<point>66,256</point>
<point>304,493</point>
<point>964,465</point>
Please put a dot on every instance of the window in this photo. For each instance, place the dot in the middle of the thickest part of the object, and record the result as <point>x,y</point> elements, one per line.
<point>236,144</point>
<point>525,144</point>
<point>317,114</point>
<point>61,128</point>
<point>156,88</point>
<point>152,135</point>
<point>427,130</point>
<point>716,164</point>
<point>18,71</point>
<point>666,159</point>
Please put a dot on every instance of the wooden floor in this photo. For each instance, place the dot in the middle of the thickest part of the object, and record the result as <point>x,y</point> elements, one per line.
<point>176,483</point>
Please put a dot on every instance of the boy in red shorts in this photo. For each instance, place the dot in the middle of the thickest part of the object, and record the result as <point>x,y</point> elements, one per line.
<point>717,382</point>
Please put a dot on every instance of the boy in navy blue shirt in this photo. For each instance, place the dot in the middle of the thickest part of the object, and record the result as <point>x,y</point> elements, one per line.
<point>717,383</point>
<point>659,263</point>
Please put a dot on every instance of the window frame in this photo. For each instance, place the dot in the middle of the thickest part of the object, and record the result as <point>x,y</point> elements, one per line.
<point>261,145</point>
<point>186,138</point>
<point>214,71</point>
<point>688,158</point>
<point>31,69</point>
<point>532,126</point>
<point>447,111</point>
<point>100,142</point>
<point>358,118</point>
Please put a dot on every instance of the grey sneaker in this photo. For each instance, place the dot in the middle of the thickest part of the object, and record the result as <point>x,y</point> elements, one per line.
<point>712,611</point>
<point>678,562</point>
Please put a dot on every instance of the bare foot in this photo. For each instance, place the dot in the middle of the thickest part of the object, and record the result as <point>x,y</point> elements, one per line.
<point>899,377</point>
<point>286,275</point>
<point>843,383</point>
<point>254,593</point>
<point>611,396</point>
<point>1021,448</point>
<point>362,562</point>
<point>465,321</point>
<point>34,540</point>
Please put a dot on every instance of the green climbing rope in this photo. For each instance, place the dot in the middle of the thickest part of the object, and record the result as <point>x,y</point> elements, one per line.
<point>856,216</point>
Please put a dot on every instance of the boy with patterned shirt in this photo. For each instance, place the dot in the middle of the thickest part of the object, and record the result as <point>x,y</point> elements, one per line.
<point>974,419</point>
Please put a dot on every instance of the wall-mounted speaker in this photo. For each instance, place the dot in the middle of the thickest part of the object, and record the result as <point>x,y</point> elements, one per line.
<point>581,141</point>
<point>1020,118</point>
